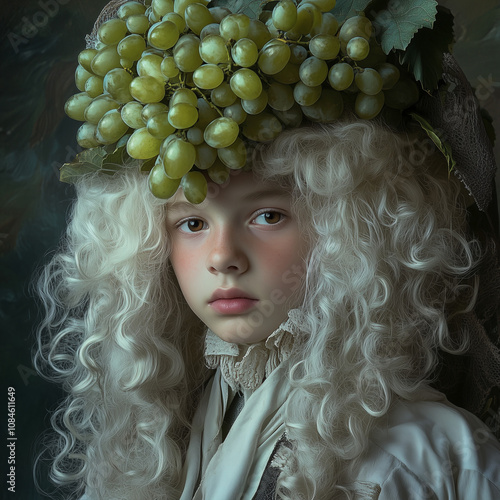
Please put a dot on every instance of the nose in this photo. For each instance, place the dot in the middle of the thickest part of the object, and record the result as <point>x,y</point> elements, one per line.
<point>227,252</point>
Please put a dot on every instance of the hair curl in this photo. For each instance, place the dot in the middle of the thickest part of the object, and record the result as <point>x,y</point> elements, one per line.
<point>389,258</point>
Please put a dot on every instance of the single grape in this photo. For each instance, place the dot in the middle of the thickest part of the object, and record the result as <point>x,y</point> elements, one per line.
<point>182,115</point>
<point>194,186</point>
<point>110,127</point>
<point>138,24</point>
<point>313,71</point>
<point>153,109</point>
<point>273,57</point>
<point>168,67</point>
<point>147,89</point>
<point>150,65</point>
<point>324,47</point>
<point>368,106</point>
<point>323,5</point>
<point>235,112</point>
<point>209,29</point>
<point>130,9</point>
<point>280,96</point>
<point>179,21</point>
<point>358,48</point>
<point>213,50</point>
<point>85,136</point>
<point>369,81</point>
<point>219,13</point>
<point>162,7</point>
<point>112,31</point>
<point>284,15</point>
<point>341,75</point>
<point>389,74</point>
<point>255,106</point>
<point>206,113</point>
<point>218,172</point>
<point>245,52</point>
<point>289,74</point>
<point>223,95</point>
<point>221,132</point>
<point>178,158</point>
<point>131,47</point>
<point>163,35</point>
<point>233,156</point>
<point>205,156</point>
<point>234,26</point>
<point>98,107</point>
<point>195,136</point>
<point>117,84</point>
<point>187,55</point>
<point>105,60</point>
<point>305,95</point>
<point>263,127</point>
<point>94,86</point>
<point>292,117</point>
<point>327,108</point>
<point>160,185</point>
<point>356,26</point>
<point>298,54</point>
<point>208,76</point>
<point>85,58</point>
<point>246,84</point>
<point>258,33</point>
<point>184,95</point>
<point>308,15</point>
<point>81,77</point>
<point>131,114</point>
<point>159,126</point>
<point>197,16</point>
<point>180,5</point>
<point>329,25</point>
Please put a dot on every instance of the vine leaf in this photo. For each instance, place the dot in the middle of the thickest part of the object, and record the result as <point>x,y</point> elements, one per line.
<point>252,8</point>
<point>347,8</point>
<point>396,23</point>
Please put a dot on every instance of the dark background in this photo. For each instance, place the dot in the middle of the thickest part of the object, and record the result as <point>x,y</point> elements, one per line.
<point>40,40</point>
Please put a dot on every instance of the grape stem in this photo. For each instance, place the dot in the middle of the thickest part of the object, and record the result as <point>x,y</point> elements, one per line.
<point>196,90</point>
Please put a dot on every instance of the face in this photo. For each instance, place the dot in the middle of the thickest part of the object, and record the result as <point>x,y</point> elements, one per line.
<point>238,257</point>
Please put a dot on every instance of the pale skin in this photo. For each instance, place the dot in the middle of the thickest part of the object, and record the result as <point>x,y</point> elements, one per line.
<point>238,257</point>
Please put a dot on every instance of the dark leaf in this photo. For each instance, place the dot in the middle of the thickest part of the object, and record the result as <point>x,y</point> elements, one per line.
<point>89,160</point>
<point>347,8</point>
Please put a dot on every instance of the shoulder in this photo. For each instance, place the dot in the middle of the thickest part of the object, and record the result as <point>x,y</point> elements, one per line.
<point>431,449</point>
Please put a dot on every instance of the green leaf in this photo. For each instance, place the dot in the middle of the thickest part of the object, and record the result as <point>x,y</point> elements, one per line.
<point>252,8</point>
<point>347,8</point>
<point>424,55</point>
<point>443,146</point>
<point>396,23</point>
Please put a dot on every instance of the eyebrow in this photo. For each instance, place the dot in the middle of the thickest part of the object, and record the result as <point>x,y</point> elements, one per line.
<point>266,193</point>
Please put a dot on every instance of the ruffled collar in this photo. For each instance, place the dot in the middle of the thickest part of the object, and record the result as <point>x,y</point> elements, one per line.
<point>245,367</point>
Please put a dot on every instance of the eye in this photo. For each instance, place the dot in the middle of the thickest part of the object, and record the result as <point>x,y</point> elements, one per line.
<point>192,225</point>
<point>269,217</point>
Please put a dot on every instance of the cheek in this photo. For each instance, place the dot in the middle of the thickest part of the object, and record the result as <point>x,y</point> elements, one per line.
<point>184,264</point>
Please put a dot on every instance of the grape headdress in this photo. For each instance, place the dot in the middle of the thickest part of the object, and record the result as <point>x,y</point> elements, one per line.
<point>186,86</point>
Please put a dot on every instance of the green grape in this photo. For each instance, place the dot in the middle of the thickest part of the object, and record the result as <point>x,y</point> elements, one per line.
<point>206,113</point>
<point>138,24</point>
<point>234,26</point>
<point>389,74</point>
<point>298,54</point>
<point>182,115</point>
<point>221,132</point>
<point>323,5</point>
<point>147,89</point>
<point>153,17</point>
<point>150,65</point>
<point>280,96</point>
<point>205,156</point>
<point>305,95</point>
<point>233,156</point>
<point>223,95</point>
<point>313,71</point>
<point>85,58</point>
<point>402,95</point>
<point>245,52</point>
<point>187,55</point>
<point>329,25</point>
<point>159,126</point>
<point>291,118</point>
<point>165,143</point>
<point>81,77</point>
<point>284,15</point>
<point>341,75</point>
<point>368,106</point>
<point>274,32</point>
<point>112,31</point>
<point>85,136</point>
<point>117,83</point>
<point>235,112</point>
<point>126,63</point>
<point>246,84</point>
<point>255,106</point>
<point>308,15</point>
<point>163,35</point>
<point>358,48</point>
<point>94,86</point>
<point>258,33</point>
<point>194,186</point>
<point>197,16</point>
<point>160,185</point>
<point>219,13</point>
<point>105,60</point>
<point>131,114</point>
<point>153,109</point>
<point>176,19</point>
<point>369,81</point>
<point>98,107</point>
<point>288,75</point>
<point>180,5</point>
<point>195,136</point>
<point>356,26</point>
<point>130,9</point>
<point>184,95</point>
<point>131,47</point>
<point>168,67</point>
<point>324,46</point>
<point>162,7</point>
<point>110,127</point>
<point>178,158</point>
<point>263,127</point>
<point>208,76</point>
<point>142,145</point>
<point>209,29</point>
<point>273,57</point>
<point>218,172</point>
<point>327,108</point>
<point>375,57</point>
<point>213,50</point>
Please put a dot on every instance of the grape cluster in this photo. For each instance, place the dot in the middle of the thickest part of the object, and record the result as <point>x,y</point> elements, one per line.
<point>186,87</point>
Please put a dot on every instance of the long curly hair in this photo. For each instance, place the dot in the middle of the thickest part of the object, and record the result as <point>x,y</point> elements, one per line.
<point>389,259</point>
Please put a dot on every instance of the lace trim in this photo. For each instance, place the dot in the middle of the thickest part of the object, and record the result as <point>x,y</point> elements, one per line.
<point>245,367</point>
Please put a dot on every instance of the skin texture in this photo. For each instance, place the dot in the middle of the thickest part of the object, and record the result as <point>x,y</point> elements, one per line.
<point>243,236</point>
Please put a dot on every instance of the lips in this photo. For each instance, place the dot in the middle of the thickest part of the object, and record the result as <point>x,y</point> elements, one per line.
<point>231,301</point>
